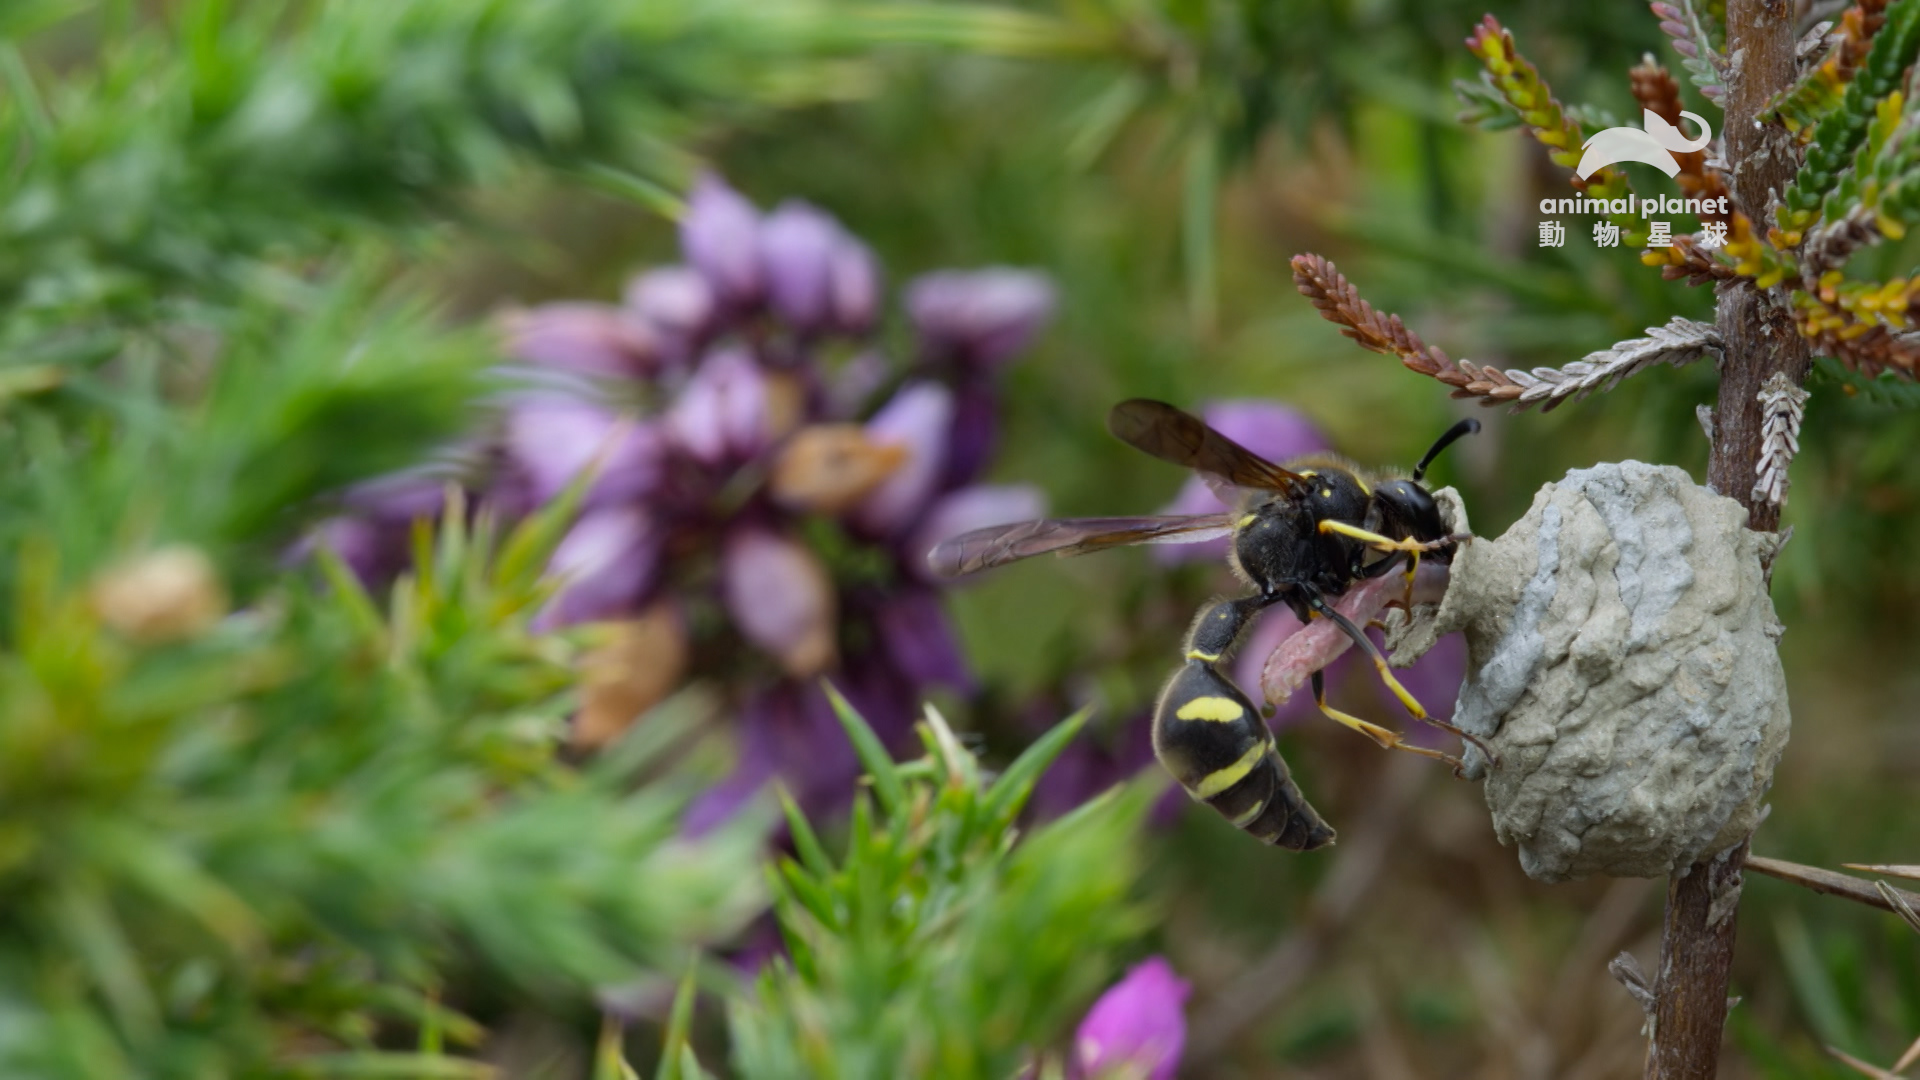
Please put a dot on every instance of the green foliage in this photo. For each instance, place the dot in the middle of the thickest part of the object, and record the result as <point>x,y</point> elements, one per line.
<point>277,831</point>
<point>1842,132</point>
<point>197,147</point>
<point>939,945</point>
<point>1884,389</point>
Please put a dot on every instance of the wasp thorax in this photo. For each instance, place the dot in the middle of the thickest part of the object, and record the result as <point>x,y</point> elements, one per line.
<point>1622,663</point>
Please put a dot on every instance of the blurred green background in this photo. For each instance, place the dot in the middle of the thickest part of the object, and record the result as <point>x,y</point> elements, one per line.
<point>1164,178</point>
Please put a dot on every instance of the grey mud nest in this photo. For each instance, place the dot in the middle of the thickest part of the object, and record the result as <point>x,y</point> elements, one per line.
<point>1622,664</point>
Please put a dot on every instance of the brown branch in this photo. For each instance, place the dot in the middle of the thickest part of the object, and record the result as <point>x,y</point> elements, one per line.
<point>1679,342</point>
<point>1339,302</point>
<point>1830,883</point>
<point>1697,935</point>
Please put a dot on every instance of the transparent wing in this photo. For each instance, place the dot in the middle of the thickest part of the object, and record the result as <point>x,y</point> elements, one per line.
<point>1159,429</point>
<point>981,549</point>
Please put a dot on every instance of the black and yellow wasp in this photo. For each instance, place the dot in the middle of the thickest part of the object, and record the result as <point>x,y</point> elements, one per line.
<point>1302,535</point>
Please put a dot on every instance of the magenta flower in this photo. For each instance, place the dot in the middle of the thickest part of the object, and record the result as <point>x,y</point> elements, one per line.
<point>980,317</point>
<point>721,237</point>
<point>1137,1027</point>
<point>591,339</point>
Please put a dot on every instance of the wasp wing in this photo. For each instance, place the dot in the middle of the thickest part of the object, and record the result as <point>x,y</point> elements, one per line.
<point>999,544</point>
<point>1179,437</point>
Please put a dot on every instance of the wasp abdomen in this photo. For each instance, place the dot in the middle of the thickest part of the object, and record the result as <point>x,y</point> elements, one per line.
<point>1210,737</point>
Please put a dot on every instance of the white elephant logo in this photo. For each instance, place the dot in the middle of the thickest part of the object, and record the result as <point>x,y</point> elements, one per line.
<point>1655,146</point>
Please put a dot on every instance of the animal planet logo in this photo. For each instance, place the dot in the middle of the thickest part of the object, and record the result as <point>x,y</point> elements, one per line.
<point>1655,146</point>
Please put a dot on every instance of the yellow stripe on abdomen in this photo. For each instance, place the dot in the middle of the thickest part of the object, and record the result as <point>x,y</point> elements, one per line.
<point>1220,710</point>
<point>1220,780</point>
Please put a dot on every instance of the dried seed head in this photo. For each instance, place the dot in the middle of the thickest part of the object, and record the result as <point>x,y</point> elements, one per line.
<point>162,596</point>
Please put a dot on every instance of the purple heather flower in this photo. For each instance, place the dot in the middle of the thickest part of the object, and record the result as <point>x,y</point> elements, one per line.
<point>1271,430</point>
<point>592,339</point>
<point>981,317</point>
<point>607,562</point>
<point>720,234</point>
<point>374,551</point>
<point>722,413</point>
<point>797,246</point>
<point>920,641</point>
<point>552,437</point>
<point>976,427</point>
<point>789,731</point>
<point>781,598</point>
<point>1137,1026</point>
<point>404,496</point>
<point>759,762</point>
<point>674,300</point>
<point>969,509</point>
<point>919,418</point>
<point>853,288</point>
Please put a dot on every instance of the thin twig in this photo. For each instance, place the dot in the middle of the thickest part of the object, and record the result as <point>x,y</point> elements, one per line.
<point>1680,341</point>
<point>1827,882</point>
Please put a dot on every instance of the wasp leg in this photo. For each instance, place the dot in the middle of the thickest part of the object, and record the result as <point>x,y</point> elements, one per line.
<point>1390,740</point>
<point>1414,708</point>
<point>1386,543</point>
<point>1413,567</point>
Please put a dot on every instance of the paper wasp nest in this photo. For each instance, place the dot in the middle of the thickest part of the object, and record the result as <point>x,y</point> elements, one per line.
<point>1622,664</point>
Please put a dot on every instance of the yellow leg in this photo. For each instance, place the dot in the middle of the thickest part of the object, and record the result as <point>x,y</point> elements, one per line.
<point>1389,740</point>
<point>1413,706</point>
<point>1413,567</point>
<point>1386,543</point>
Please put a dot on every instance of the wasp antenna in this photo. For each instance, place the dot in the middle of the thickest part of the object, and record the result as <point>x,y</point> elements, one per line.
<point>1469,426</point>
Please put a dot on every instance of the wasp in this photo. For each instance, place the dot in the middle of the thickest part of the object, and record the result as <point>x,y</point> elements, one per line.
<point>1302,535</point>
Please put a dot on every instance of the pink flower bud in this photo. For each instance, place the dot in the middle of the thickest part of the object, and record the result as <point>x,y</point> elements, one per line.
<point>983,317</point>
<point>854,287</point>
<point>781,598</point>
<point>674,300</point>
<point>919,418</point>
<point>721,416</point>
<point>606,564</point>
<point>721,237</point>
<point>593,339</point>
<point>552,438</point>
<point>797,246</point>
<point>1137,1025</point>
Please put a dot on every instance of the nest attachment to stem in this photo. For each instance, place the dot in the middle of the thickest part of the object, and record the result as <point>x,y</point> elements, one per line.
<point>1623,665</point>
